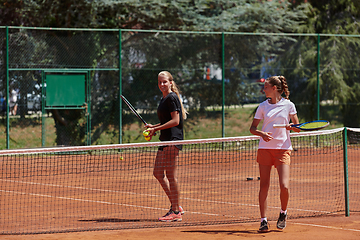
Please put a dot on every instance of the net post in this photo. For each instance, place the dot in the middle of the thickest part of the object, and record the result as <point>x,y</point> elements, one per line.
<point>346,174</point>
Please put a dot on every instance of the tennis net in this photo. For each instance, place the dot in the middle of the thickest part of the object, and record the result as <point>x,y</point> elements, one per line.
<point>112,186</point>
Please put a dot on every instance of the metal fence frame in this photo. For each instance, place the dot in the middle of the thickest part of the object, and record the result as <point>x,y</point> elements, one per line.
<point>119,69</point>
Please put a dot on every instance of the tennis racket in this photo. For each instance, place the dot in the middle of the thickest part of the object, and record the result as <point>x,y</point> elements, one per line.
<point>307,126</point>
<point>136,114</point>
<point>132,109</point>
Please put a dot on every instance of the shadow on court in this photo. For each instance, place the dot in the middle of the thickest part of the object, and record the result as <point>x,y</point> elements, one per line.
<point>320,228</point>
<point>229,232</point>
<point>118,220</point>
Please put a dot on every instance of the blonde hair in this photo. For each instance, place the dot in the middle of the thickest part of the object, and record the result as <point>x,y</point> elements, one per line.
<point>280,83</point>
<point>176,90</point>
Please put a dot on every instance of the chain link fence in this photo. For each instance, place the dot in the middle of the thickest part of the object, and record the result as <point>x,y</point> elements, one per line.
<point>215,72</point>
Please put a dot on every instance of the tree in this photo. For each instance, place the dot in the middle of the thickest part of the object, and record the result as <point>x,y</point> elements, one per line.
<point>185,55</point>
<point>191,53</point>
<point>339,55</point>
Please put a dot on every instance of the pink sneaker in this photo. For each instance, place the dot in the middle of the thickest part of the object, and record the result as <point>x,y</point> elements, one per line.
<point>171,217</point>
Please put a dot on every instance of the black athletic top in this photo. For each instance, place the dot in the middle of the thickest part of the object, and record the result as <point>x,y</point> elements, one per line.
<point>169,104</point>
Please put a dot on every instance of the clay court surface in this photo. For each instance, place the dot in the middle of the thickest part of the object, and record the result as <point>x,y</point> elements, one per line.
<point>319,228</point>
<point>115,196</point>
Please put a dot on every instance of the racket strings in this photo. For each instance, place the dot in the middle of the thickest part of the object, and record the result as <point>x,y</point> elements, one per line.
<point>318,124</point>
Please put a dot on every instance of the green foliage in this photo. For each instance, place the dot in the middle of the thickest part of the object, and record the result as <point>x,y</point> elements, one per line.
<point>339,55</point>
<point>351,110</point>
<point>186,55</point>
<point>199,15</point>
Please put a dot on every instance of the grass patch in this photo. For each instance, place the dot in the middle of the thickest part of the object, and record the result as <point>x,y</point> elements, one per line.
<point>27,133</point>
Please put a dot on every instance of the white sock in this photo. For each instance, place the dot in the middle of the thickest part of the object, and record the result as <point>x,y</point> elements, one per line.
<point>282,211</point>
<point>262,219</point>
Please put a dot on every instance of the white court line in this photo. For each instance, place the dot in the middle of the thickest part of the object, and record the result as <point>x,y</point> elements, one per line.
<point>322,226</point>
<point>74,199</point>
<point>152,195</point>
<point>109,203</point>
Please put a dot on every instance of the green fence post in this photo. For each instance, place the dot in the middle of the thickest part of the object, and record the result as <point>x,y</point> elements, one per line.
<point>43,113</point>
<point>120,90</point>
<point>318,84</point>
<point>7,90</point>
<point>223,82</point>
<point>346,174</point>
<point>88,107</point>
<point>318,79</point>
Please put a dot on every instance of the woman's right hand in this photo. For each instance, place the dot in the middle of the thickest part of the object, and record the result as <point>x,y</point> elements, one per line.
<point>150,129</point>
<point>267,136</point>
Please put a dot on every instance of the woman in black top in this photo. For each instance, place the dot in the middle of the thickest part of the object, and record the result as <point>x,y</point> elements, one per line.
<point>171,114</point>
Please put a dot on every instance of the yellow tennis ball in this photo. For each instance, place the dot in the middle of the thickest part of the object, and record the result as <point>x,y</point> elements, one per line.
<point>146,133</point>
<point>121,158</point>
<point>147,138</point>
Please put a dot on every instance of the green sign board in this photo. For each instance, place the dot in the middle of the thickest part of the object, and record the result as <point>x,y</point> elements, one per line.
<point>65,90</point>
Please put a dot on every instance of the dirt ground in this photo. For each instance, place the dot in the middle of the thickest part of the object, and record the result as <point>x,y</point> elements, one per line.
<point>319,228</point>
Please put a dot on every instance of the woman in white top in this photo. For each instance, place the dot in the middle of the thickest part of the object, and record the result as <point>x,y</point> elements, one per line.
<point>275,145</point>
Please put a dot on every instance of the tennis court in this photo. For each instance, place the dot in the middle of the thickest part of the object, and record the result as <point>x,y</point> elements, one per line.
<point>113,189</point>
<point>320,228</point>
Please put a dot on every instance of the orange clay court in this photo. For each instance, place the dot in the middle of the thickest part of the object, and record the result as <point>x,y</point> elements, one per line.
<point>319,228</point>
<point>114,196</point>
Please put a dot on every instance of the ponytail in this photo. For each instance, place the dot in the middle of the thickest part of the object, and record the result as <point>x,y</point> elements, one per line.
<point>176,90</point>
<point>281,85</point>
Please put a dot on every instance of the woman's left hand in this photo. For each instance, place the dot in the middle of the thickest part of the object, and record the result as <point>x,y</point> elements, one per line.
<point>289,127</point>
<point>151,131</point>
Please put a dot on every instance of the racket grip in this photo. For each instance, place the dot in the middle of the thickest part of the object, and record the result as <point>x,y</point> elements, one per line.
<point>279,125</point>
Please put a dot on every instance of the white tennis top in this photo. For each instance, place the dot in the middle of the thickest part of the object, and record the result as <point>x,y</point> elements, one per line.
<point>278,113</point>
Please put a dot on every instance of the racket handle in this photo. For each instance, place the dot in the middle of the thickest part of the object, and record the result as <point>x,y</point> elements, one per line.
<point>279,125</point>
